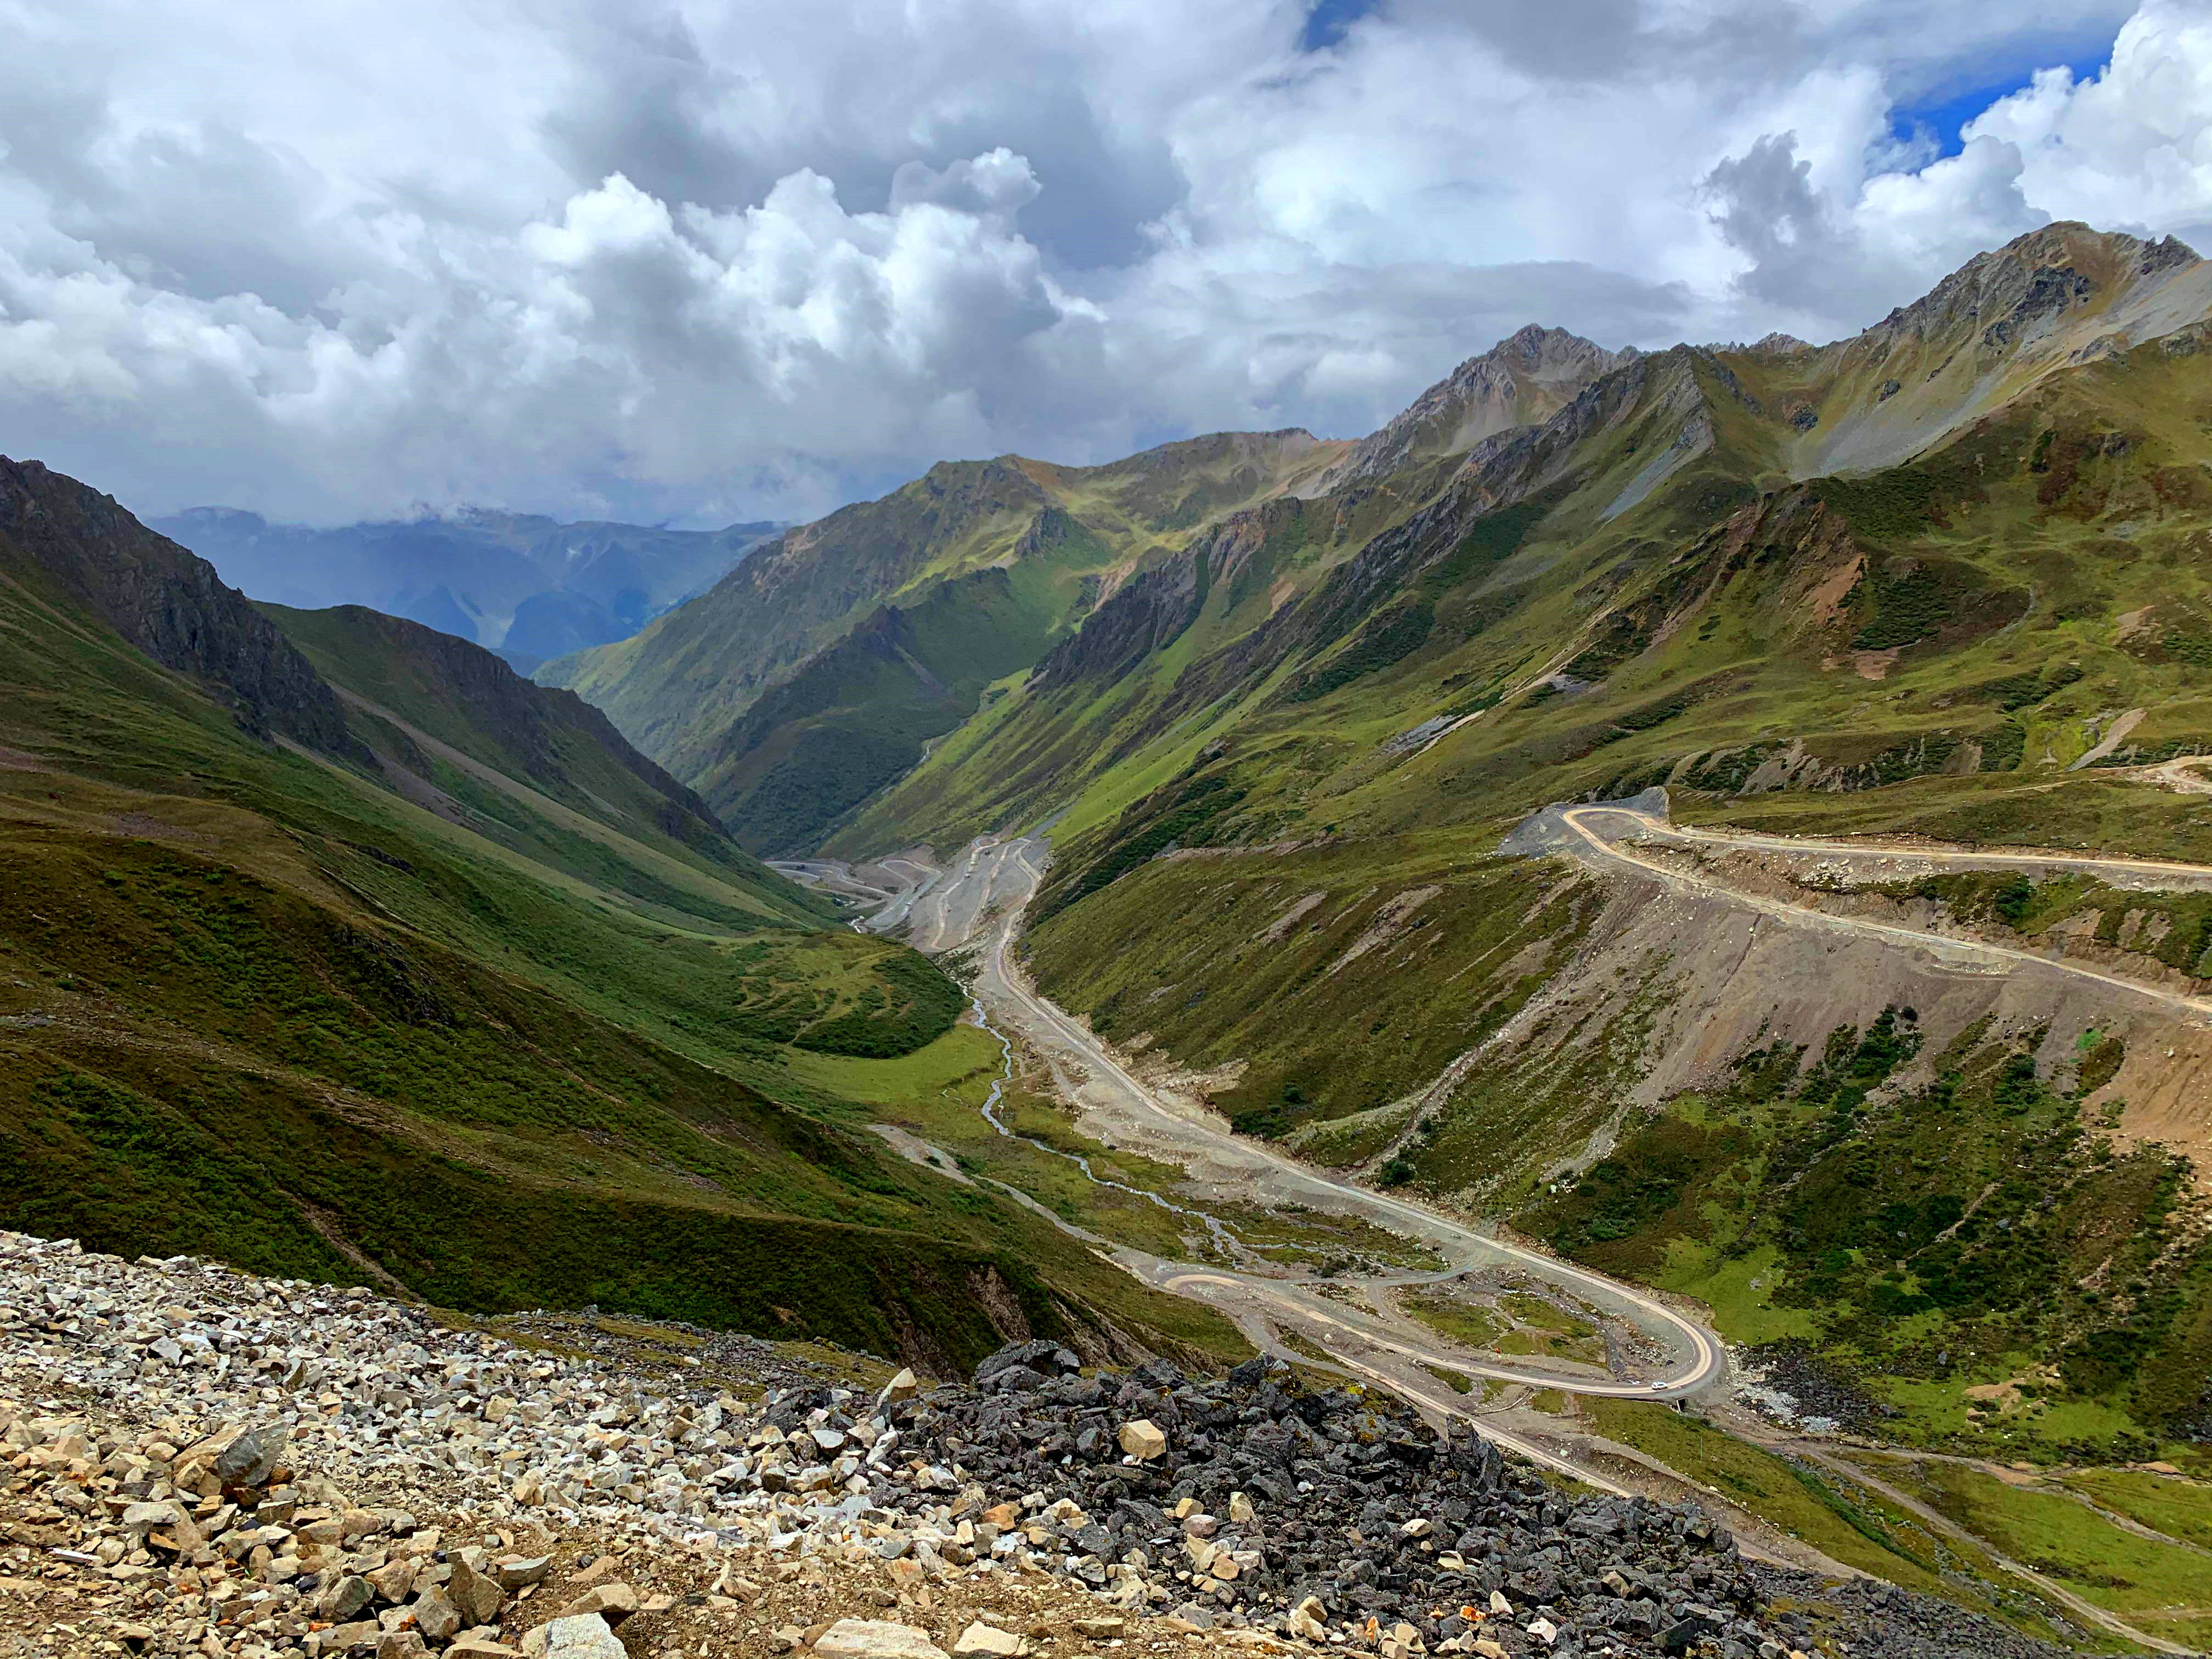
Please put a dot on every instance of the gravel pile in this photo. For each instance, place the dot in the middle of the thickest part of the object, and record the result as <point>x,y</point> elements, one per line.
<point>1330,1514</point>
<point>198,1461</point>
<point>1794,1386</point>
<point>1342,1517</point>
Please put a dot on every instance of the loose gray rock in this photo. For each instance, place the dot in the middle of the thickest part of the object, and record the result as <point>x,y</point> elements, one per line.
<point>251,1459</point>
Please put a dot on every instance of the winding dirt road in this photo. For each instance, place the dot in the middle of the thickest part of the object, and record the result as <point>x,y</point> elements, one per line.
<point>1585,830</point>
<point>1701,1358</point>
<point>981,901</point>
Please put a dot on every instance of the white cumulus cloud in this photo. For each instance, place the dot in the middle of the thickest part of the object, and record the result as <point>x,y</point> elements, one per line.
<point>709,259</point>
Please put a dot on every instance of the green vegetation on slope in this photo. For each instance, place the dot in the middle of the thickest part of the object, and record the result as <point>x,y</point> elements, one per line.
<point>1343,997</point>
<point>2161,1586</point>
<point>938,1093</point>
<point>1967,1250</point>
<point>257,1005</point>
<point>537,770</point>
<point>861,713</point>
<point>1589,621</point>
<point>681,689</point>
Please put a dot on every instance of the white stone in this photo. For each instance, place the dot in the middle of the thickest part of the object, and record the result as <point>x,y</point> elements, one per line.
<point>987,1639</point>
<point>583,1637</point>
<point>870,1639</point>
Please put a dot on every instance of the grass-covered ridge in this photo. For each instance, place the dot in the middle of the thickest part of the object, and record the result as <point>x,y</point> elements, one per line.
<point>1062,536</point>
<point>540,771</point>
<point>274,1003</point>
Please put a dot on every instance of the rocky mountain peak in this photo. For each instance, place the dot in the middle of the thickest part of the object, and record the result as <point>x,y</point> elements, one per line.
<point>2000,295</point>
<point>2061,295</point>
<point>1523,379</point>
<point>1536,348</point>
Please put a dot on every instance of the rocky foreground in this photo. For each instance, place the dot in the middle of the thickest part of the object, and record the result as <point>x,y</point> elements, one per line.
<point>201,1462</point>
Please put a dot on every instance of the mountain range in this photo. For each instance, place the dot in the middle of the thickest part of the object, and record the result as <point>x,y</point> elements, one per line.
<point>530,587</point>
<point>1249,577</point>
<point>332,944</point>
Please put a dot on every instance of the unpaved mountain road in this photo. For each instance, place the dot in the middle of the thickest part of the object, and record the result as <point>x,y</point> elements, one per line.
<point>2186,775</point>
<point>979,901</point>
<point>1607,836</point>
<point>1222,1161</point>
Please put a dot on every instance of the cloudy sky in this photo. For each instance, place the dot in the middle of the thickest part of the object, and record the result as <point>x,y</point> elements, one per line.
<point>702,261</point>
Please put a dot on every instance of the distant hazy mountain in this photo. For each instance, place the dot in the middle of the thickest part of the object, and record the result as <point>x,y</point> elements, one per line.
<point>533,587</point>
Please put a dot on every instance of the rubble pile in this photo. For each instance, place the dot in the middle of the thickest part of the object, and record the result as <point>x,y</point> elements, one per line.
<point>197,1462</point>
<point>1328,1514</point>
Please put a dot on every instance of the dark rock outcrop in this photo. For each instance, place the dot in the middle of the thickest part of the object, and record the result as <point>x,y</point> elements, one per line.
<point>166,602</point>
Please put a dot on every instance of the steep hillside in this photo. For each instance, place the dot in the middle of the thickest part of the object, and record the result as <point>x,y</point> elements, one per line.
<point>259,1001</point>
<point>1914,1185</point>
<point>1071,534</point>
<point>862,711</point>
<point>1294,618</point>
<point>459,731</point>
<point>2059,297</point>
<point>79,548</point>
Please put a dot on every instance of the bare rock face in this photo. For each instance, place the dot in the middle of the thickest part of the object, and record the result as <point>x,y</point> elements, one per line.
<point>477,1597</point>
<point>612,1601</point>
<point>982,1641</point>
<point>1521,381</point>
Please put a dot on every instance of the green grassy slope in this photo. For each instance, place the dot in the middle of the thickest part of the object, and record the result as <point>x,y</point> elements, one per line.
<point>1982,1226</point>
<point>1068,534</point>
<point>692,671</point>
<point>1974,1233</point>
<point>429,704</point>
<point>255,1004</point>
<point>860,712</point>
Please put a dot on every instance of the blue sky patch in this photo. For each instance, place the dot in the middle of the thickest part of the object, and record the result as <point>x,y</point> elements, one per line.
<point>1328,20</point>
<point>1944,112</point>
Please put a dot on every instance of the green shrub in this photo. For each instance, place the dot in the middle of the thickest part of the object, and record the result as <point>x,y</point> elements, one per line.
<point>1389,638</point>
